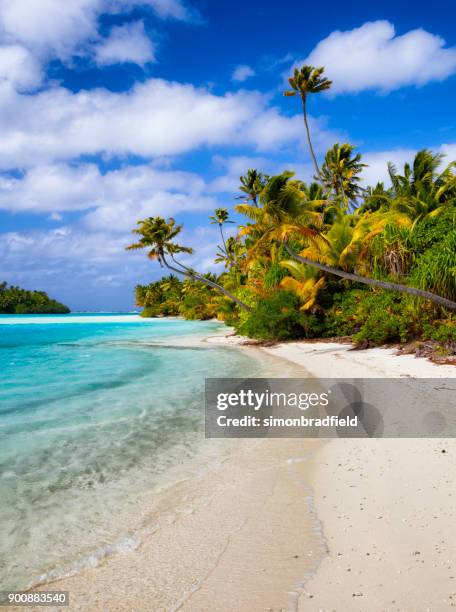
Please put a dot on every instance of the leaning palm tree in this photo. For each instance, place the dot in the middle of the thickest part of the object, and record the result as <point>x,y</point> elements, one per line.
<point>157,235</point>
<point>308,80</point>
<point>342,246</point>
<point>285,216</point>
<point>340,173</point>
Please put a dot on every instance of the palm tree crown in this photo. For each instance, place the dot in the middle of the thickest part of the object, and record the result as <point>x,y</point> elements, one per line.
<point>340,172</point>
<point>308,80</point>
<point>252,184</point>
<point>158,234</point>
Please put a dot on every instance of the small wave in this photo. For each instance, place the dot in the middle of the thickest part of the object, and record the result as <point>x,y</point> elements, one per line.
<point>125,544</point>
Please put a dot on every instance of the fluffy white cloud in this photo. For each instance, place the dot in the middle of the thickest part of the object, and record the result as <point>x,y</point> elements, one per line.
<point>116,199</point>
<point>60,27</point>
<point>377,169</point>
<point>127,43</point>
<point>449,150</point>
<point>50,26</point>
<point>155,118</point>
<point>63,260</point>
<point>373,57</point>
<point>377,162</point>
<point>242,72</point>
<point>233,168</point>
<point>19,67</point>
<point>236,166</point>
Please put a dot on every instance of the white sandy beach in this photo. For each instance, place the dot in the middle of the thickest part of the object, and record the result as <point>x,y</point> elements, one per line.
<point>299,524</point>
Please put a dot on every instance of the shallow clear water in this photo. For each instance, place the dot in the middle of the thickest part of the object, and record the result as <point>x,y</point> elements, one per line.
<point>93,411</point>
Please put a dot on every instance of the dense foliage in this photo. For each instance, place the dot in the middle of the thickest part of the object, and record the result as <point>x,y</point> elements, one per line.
<point>326,258</point>
<point>14,300</point>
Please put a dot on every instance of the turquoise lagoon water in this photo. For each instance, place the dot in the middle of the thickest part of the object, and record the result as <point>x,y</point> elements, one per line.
<point>94,409</point>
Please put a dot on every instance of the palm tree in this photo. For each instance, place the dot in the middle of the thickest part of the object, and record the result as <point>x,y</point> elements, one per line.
<point>340,173</point>
<point>221,217</point>
<point>308,80</point>
<point>252,184</point>
<point>422,190</point>
<point>283,200</point>
<point>357,278</point>
<point>157,235</point>
<point>230,255</point>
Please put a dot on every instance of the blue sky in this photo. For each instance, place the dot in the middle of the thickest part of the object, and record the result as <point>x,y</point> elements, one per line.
<point>113,110</point>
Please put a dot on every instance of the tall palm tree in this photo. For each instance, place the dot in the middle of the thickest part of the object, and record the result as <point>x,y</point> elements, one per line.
<point>340,173</point>
<point>308,80</point>
<point>252,184</point>
<point>221,217</point>
<point>157,235</point>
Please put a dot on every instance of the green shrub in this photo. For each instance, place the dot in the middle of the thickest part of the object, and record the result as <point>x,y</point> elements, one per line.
<point>435,269</point>
<point>277,317</point>
<point>342,316</point>
<point>442,331</point>
<point>432,230</point>
<point>375,316</point>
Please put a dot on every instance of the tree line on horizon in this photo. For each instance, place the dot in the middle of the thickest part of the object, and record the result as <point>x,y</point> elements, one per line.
<point>325,258</point>
<point>14,300</point>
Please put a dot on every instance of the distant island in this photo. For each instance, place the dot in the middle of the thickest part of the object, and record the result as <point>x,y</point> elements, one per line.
<point>14,300</point>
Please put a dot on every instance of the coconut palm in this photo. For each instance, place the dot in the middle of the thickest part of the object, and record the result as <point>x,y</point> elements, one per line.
<point>340,173</point>
<point>230,256</point>
<point>422,189</point>
<point>252,184</point>
<point>357,278</point>
<point>221,217</point>
<point>157,235</point>
<point>308,80</point>
<point>283,204</point>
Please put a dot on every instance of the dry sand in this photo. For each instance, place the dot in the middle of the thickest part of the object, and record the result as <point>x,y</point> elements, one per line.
<point>245,535</point>
<point>387,507</point>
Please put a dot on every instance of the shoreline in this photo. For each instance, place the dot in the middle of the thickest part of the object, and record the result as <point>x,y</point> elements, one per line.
<point>260,488</point>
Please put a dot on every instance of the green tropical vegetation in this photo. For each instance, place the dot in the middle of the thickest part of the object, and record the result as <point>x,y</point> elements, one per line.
<point>323,259</point>
<point>14,300</point>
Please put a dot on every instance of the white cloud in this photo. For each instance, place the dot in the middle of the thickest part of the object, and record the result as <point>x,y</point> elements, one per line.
<point>119,197</point>
<point>374,57</point>
<point>242,72</point>
<point>50,27</point>
<point>59,27</point>
<point>127,43</point>
<point>155,118</point>
<point>233,168</point>
<point>19,67</point>
<point>378,162</point>
<point>449,150</point>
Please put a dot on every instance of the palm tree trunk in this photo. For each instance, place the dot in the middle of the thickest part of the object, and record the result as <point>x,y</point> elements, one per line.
<point>312,152</point>
<point>195,276</point>
<point>223,238</point>
<point>426,295</point>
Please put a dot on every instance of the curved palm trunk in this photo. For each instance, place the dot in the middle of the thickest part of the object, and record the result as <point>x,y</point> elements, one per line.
<point>426,295</point>
<point>312,152</point>
<point>195,276</point>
